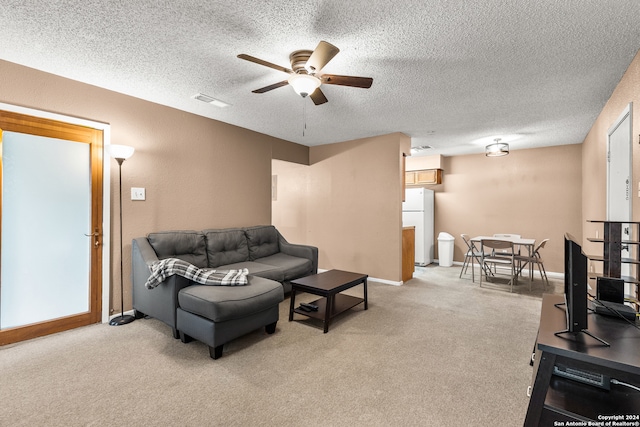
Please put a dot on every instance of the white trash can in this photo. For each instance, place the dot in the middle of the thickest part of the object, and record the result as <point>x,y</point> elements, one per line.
<point>445,249</point>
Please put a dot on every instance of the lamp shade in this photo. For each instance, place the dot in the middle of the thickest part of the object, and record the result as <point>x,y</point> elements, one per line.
<point>304,84</point>
<point>120,151</point>
<point>497,149</point>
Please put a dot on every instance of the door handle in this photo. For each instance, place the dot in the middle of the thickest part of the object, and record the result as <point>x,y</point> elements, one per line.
<point>96,236</point>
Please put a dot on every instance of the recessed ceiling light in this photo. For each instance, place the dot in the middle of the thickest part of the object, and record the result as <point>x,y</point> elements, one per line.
<point>210,100</point>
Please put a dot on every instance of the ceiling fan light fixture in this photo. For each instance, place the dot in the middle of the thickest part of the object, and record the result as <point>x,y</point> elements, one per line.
<point>304,84</point>
<point>497,149</point>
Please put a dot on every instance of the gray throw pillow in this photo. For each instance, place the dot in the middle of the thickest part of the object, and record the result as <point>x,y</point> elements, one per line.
<point>187,245</point>
<point>263,241</point>
<point>226,246</point>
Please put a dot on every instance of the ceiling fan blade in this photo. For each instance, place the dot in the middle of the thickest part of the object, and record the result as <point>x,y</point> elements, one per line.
<point>333,79</point>
<point>271,87</point>
<point>318,97</point>
<point>321,56</point>
<point>265,63</point>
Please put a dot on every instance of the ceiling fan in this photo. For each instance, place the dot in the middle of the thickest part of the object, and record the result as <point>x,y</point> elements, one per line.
<point>305,73</point>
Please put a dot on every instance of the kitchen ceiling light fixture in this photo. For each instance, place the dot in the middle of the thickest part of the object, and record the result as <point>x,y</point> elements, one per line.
<point>497,149</point>
<point>304,84</point>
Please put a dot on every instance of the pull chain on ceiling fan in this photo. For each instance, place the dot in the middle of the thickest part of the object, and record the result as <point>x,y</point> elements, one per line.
<point>305,73</point>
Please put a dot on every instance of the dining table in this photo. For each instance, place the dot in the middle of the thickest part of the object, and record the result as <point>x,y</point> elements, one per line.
<point>526,243</point>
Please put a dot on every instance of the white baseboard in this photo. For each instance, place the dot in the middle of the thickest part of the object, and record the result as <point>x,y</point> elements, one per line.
<point>550,274</point>
<point>386,282</point>
<point>373,279</point>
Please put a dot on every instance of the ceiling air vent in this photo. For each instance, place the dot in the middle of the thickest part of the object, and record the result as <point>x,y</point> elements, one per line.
<point>210,100</point>
<point>420,148</point>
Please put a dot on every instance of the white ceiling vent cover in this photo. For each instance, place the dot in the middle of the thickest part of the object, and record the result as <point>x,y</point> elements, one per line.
<point>419,148</point>
<point>210,100</point>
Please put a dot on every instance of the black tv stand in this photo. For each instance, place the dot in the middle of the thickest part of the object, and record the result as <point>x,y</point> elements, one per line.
<point>556,398</point>
<point>584,331</point>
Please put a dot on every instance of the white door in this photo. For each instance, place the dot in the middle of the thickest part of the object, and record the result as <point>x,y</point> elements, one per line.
<point>619,186</point>
<point>51,225</point>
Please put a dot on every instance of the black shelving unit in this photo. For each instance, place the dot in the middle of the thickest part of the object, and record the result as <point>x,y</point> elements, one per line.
<point>619,235</point>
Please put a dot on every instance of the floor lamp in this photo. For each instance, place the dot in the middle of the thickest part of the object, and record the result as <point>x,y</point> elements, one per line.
<point>121,153</point>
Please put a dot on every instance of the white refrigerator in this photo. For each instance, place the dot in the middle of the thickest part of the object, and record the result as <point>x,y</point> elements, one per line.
<point>417,211</point>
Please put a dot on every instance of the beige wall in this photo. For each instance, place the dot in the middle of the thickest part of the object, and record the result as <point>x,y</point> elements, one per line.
<point>534,192</point>
<point>289,209</point>
<point>594,158</point>
<point>351,200</point>
<point>197,172</point>
<point>290,152</point>
<point>415,163</point>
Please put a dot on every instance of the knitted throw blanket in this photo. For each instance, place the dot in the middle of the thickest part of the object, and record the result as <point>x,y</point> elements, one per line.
<point>160,270</point>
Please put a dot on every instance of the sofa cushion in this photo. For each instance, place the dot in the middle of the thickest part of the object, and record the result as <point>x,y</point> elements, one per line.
<point>291,266</point>
<point>257,269</point>
<point>263,241</point>
<point>226,246</point>
<point>186,245</point>
<point>223,303</point>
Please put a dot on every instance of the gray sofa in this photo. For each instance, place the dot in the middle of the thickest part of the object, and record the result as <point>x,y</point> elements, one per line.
<point>261,249</point>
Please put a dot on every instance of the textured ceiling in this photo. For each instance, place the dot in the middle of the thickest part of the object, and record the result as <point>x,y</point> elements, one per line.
<point>446,72</point>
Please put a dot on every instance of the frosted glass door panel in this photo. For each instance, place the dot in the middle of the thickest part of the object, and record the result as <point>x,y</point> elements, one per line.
<point>46,212</point>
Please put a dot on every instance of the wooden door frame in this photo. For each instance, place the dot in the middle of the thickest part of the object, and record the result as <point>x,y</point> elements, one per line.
<point>627,113</point>
<point>105,301</point>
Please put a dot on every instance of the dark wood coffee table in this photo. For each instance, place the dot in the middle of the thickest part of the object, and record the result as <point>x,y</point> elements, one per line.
<point>328,285</point>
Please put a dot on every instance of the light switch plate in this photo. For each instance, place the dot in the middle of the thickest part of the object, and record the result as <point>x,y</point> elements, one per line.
<point>137,193</point>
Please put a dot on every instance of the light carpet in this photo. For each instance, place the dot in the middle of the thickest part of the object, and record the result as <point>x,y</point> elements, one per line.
<point>436,351</point>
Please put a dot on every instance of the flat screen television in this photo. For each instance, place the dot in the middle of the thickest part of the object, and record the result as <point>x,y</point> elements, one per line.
<point>575,284</point>
<point>575,288</point>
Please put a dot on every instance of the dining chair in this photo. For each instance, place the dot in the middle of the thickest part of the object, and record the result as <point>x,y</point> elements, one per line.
<point>471,254</point>
<point>534,258</point>
<point>505,261</point>
<point>509,236</point>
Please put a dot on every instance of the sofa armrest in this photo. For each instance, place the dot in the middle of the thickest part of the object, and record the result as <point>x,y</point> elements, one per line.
<point>162,301</point>
<point>144,250</point>
<point>301,251</point>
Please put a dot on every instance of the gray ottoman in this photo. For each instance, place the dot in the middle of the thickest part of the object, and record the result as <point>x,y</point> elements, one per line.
<point>216,315</point>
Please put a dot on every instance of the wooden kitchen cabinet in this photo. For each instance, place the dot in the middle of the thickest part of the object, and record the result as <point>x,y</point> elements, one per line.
<point>424,177</point>
<point>408,252</point>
